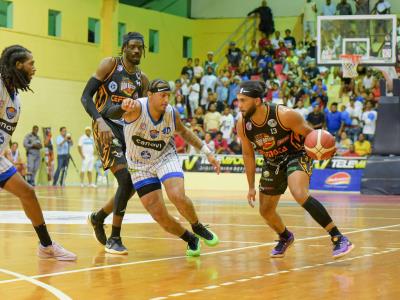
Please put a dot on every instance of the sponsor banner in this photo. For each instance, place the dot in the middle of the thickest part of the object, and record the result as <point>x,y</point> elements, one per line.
<point>336,180</point>
<point>341,163</point>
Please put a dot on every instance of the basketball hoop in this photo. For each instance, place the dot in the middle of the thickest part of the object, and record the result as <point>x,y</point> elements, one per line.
<point>349,64</point>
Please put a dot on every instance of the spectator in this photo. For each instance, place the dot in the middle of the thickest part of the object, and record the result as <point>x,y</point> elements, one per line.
<point>369,118</point>
<point>227,124</point>
<point>328,9</point>
<point>301,109</point>
<point>209,81</point>
<point>281,53</point>
<point>266,25</point>
<point>312,71</point>
<point>275,41</point>
<point>194,94</point>
<point>344,8</point>
<point>235,145</point>
<point>32,145</point>
<point>16,159</point>
<point>362,147</point>
<point>320,90</point>
<point>309,18</point>
<point>222,94</point>
<point>221,145</point>
<point>316,118</point>
<point>185,81</point>
<point>382,7</point>
<point>210,63</point>
<point>234,55</point>
<point>290,42</point>
<point>197,70</point>
<point>312,50</point>
<point>333,120</point>
<point>209,141</point>
<point>64,144</point>
<point>369,80</point>
<point>180,107</point>
<point>351,152</point>
<point>355,113</point>
<point>212,119</point>
<point>86,151</point>
<point>199,116</point>
<point>188,69</point>
<point>344,144</point>
<point>264,42</point>
<point>362,7</point>
<point>233,89</point>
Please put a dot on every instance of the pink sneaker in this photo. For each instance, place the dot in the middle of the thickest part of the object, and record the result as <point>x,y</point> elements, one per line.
<point>55,251</point>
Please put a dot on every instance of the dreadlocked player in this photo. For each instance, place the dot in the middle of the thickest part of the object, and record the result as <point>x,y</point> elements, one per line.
<point>116,78</point>
<point>17,68</point>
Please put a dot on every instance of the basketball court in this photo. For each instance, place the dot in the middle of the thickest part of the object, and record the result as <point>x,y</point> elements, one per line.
<point>156,267</point>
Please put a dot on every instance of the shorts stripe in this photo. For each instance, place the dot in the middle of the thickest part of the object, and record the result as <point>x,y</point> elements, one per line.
<point>147,181</point>
<point>7,175</point>
<point>171,175</point>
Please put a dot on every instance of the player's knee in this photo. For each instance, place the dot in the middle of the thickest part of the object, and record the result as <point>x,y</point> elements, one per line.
<point>178,197</point>
<point>28,193</point>
<point>300,195</point>
<point>161,217</point>
<point>267,211</point>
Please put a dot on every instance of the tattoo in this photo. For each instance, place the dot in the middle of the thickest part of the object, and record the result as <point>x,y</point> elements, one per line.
<point>191,138</point>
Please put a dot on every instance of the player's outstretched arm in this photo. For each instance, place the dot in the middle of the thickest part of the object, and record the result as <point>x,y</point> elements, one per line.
<point>193,140</point>
<point>249,162</point>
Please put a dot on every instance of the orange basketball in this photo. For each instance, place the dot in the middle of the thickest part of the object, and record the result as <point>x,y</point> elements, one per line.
<point>320,144</point>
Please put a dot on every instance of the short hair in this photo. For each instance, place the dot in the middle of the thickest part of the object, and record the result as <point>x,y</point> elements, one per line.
<point>62,127</point>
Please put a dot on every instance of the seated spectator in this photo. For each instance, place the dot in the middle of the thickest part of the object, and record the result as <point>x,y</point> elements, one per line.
<point>351,152</point>
<point>316,118</point>
<point>301,109</point>
<point>362,147</point>
<point>281,53</point>
<point>333,120</point>
<point>264,41</point>
<point>312,70</point>
<point>212,119</point>
<point>180,106</point>
<point>275,41</point>
<point>290,42</point>
<point>198,70</point>
<point>235,145</point>
<point>344,144</point>
<point>14,156</point>
<point>320,90</point>
<point>199,116</point>
<point>221,145</point>
<point>180,143</point>
<point>209,141</point>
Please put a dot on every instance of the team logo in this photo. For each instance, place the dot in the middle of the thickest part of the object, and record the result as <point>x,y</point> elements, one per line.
<point>166,130</point>
<point>272,123</point>
<point>2,139</point>
<point>127,87</point>
<point>120,68</point>
<point>11,112</point>
<point>339,178</point>
<point>112,86</point>
<point>145,154</point>
<point>265,141</point>
<point>143,126</point>
<point>154,133</point>
<point>249,126</point>
<point>265,174</point>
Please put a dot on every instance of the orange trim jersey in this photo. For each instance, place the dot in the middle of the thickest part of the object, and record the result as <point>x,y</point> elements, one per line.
<point>271,138</point>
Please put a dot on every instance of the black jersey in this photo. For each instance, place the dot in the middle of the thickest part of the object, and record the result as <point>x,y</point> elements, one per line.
<point>271,138</point>
<point>118,85</point>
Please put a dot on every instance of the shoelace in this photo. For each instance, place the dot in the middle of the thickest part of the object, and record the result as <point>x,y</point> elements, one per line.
<point>281,244</point>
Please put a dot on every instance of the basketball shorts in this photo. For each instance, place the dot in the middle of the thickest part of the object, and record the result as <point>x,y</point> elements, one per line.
<point>166,166</point>
<point>7,170</point>
<point>113,153</point>
<point>88,164</point>
<point>274,176</point>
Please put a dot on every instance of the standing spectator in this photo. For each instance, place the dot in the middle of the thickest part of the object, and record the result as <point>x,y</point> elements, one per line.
<point>86,150</point>
<point>362,7</point>
<point>234,55</point>
<point>369,80</point>
<point>32,145</point>
<point>290,42</point>
<point>197,69</point>
<point>333,120</point>
<point>222,94</point>
<point>369,117</point>
<point>227,124</point>
<point>266,25</point>
<point>194,93</point>
<point>275,41</point>
<point>343,8</point>
<point>362,147</point>
<point>199,116</point>
<point>233,89</point>
<point>212,119</point>
<point>208,81</point>
<point>355,113</point>
<point>309,18</point>
<point>382,7</point>
<point>328,9</point>
<point>188,69</point>
<point>210,63</point>
<point>64,144</point>
<point>316,118</point>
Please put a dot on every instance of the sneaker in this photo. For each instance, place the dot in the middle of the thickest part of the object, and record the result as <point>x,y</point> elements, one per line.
<point>282,246</point>
<point>194,252</point>
<point>114,245</point>
<point>93,185</point>
<point>55,251</point>
<point>341,246</point>
<point>98,229</point>
<point>209,237</point>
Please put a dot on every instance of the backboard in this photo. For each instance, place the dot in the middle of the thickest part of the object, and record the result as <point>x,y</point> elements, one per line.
<point>372,36</point>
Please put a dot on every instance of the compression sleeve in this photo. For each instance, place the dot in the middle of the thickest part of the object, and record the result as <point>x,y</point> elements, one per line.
<point>87,97</point>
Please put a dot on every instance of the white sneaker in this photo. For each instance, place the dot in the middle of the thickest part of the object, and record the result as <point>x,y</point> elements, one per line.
<point>55,251</point>
<point>82,185</point>
<point>93,185</point>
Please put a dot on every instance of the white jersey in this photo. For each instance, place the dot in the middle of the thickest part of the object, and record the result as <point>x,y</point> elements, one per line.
<point>148,140</point>
<point>9,115</point>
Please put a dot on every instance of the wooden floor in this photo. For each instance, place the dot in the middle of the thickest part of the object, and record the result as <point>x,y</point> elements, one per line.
<point>238,268</point>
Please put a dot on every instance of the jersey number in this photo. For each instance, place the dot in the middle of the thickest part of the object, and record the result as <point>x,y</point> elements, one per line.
<point>274,131</point>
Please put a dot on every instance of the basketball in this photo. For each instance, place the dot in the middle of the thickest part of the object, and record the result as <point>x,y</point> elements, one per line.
<point>320,144</point>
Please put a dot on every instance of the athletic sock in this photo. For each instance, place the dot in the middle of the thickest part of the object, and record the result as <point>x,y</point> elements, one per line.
<point>334,232</point>
<point>285,234</point>
<point>115,231</point>
<point>190,238</point>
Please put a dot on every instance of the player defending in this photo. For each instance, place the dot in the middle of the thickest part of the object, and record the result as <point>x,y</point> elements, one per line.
<point>17,68</point>
<point>278,134</point>
<point>149,129</point>
<point>116,78</point>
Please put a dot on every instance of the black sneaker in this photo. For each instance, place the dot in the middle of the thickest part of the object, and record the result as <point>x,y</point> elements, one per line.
<point>209,237</point>
<point>114,245</point>
<point>98,229</point>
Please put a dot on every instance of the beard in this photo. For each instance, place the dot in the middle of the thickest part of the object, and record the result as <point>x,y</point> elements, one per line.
<point>20,79</point>
<point>250,112</point>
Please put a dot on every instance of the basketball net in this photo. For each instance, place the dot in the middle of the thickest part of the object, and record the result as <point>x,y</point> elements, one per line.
<point>349,64</point>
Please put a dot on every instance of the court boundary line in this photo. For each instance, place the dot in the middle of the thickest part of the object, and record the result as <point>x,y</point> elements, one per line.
<point>180,257</point>
<point>53,290</point>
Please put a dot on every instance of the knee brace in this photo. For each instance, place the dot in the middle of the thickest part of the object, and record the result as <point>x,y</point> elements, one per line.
<point>124,192</point>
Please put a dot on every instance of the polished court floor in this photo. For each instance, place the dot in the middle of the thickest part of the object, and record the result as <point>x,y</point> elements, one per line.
<point>238,268</point>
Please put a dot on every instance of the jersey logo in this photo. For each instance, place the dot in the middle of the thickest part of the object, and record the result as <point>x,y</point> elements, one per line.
<point>154,133</point>
<point>145,154</point>
<point>11,112</point>
<point>154,145</point>
<point>265,141</point>
<point>112,86</point>
<point>127,87</point>
<point>143,126</point>
<point>272,123</point>
<point>166,130</point>
<point>249,126</point>
<point>7,127</point>
<point>120,68</point>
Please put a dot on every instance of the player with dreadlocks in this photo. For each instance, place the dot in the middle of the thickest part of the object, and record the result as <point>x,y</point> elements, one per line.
<point>17,68</point>
<point>116,78</point>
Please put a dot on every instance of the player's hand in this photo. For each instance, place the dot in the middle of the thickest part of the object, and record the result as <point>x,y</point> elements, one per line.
<point>212,160</point>
<point>251,197</point>
<point>105,132</point>
<point>128,104</point>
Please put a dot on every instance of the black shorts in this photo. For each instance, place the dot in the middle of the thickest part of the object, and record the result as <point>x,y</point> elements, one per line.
<point>274,178</point>
<point>111,154</point>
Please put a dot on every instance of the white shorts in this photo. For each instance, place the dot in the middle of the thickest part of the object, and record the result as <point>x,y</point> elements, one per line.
<point>88,164</point>
<point>167,166</point>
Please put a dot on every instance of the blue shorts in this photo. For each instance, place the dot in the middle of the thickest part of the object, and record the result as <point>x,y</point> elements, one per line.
<point>4,177</point>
